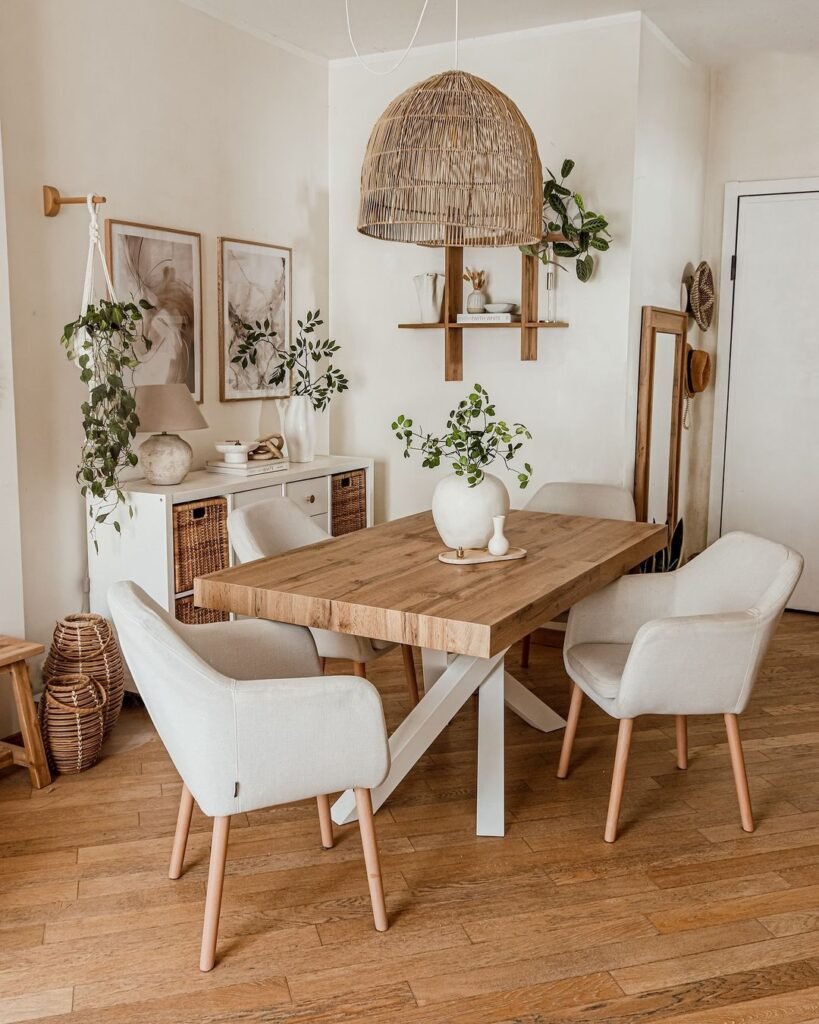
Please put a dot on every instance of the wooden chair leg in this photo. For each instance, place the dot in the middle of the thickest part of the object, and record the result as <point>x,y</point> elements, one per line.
<point>740,777</point>
<point>409,672</point>
<point>325,821</point>
<point>618,778</point>
<point>183,827</point>
<point>213,900</point>
<point>360,669</point>
<point>32,737</point>
<point>682,742</point>
<point>570,731</point>
<point>366,824</point>
<point>525,648</point>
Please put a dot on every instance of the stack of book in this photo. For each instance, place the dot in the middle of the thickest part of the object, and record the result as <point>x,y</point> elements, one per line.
<point>489,318</point>
<point>249,468</point>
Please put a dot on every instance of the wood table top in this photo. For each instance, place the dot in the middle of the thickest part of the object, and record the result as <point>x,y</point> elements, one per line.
<point>386,582</point>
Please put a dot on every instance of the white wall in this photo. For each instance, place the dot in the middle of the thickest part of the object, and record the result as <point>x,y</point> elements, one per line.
<point>577,87</point>
<point>181,121</point>
<point>764,125</point>
<point>669,181</point>
<point>11,589</point>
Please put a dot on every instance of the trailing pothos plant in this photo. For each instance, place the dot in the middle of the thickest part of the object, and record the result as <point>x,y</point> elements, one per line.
<point>565,212</point>
<point>303,354</point>
<point>473,440</point>
<point>102,342</point>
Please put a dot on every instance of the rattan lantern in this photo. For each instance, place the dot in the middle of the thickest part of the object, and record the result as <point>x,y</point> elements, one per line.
<point>452,161</point>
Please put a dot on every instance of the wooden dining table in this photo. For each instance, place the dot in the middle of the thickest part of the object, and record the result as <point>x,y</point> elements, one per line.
<point>386,582</point>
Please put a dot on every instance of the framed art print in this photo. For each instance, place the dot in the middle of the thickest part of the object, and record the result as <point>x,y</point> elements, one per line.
<point>254,287</point>
<point>164,267</point>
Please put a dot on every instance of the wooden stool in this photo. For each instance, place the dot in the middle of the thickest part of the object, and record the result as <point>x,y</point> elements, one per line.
<point>31,755</point>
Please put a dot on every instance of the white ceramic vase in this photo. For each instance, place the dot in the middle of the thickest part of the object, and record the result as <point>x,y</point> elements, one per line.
<point>476,302</point>
<point>300,429</point>
<point>463,514</point>
<point>498,543</point>
<point>430,291</point>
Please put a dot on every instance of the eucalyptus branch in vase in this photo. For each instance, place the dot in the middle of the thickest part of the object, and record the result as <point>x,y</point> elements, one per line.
<point>300,359</point>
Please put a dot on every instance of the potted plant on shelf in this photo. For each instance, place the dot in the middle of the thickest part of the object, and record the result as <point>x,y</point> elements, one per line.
<point>101,342</point>
<point>466,500</point>
<point>579,229</point>
<point>309,394</point>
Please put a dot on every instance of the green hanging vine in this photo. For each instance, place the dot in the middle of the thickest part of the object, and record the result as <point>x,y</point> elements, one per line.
<point>102,342</point>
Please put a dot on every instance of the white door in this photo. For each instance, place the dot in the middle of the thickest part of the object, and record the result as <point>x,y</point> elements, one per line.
<point>771,470</point>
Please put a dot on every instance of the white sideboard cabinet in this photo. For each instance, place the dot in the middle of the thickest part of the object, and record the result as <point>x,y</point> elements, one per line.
<point>148,553</point>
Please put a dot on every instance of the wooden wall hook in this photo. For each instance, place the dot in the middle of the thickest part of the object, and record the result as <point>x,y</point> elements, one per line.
<point>52,200</point>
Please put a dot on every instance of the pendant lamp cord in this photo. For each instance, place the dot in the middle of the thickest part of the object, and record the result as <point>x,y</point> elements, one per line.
<point>456,35</point>
<point>404,55</point>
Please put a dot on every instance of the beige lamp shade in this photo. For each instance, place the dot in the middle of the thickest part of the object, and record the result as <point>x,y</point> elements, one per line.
<point>452,161</point>
<point>167,407</point>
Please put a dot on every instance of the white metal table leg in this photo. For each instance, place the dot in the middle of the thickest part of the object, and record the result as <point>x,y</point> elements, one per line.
<point>434,664</point>
<point>423,725</point>
<point>529,707</point>
<point>490,816</point>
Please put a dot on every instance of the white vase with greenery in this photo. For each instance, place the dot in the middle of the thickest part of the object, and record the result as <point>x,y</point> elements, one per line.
<point>465,502</point>
<point>309,394</point>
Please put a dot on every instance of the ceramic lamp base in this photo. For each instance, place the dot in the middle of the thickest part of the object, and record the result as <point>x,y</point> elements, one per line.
<point>165,459</point>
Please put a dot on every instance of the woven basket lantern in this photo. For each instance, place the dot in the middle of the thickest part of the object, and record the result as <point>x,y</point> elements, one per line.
<point>86,644</point>
<point>72,721</point>
<point>452,161</point>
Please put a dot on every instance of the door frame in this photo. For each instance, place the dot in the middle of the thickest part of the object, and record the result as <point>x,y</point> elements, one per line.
<point>734,192</point>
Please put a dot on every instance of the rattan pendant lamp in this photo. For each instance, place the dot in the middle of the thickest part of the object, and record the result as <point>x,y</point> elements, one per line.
<point>452,161</point>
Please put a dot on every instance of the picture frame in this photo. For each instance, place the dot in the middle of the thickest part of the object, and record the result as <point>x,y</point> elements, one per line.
<point>255,283</point>
<point>164,267</point>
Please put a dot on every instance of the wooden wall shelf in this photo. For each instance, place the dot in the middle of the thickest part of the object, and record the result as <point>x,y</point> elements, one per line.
<point>453,305</point>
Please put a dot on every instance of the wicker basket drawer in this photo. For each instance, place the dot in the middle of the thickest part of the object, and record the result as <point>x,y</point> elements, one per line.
<point>200,540</point>
<point>187,612</point>
<point>348,502</point>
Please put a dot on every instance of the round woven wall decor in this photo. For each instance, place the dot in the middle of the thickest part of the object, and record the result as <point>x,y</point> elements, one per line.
<point>452,161</point>
<point>86,644</point>
<point>72,720</point>
<point>701,296</point>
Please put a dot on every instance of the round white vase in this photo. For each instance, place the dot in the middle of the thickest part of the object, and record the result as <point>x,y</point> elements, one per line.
<point>300,429</point>
<point>463,514</point>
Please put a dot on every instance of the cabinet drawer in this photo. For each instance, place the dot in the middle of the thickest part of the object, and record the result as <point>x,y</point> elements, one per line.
<point>309,495</point>
<point>243,498</point>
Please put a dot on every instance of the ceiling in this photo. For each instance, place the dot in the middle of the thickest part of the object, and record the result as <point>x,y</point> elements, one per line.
<point>711,32</point>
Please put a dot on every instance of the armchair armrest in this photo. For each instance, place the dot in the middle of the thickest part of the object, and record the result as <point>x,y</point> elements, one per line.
<point>302,738</point>
<point>614,614</point>
<point>692,665</point>
<point>254,648</point>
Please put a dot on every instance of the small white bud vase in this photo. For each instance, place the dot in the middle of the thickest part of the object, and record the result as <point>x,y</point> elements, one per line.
<point>498,542</point>
<point>476,302</point>
<point>463,515</point>
<point>300,429</point>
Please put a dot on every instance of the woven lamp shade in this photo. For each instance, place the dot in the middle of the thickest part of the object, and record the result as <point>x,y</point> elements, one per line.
<point>452,161</point>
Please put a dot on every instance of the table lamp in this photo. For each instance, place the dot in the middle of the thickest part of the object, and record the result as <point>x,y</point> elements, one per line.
<point>165,458</point>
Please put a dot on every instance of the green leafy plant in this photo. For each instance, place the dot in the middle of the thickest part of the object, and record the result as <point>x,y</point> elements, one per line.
<point>305,351</point>
<point>473,440</point>
<point>102,341</point>
<point>669,558</point>
<point>565,212</point>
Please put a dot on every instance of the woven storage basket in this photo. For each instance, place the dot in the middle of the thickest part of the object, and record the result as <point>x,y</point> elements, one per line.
<point>86,644</point>
<point>187,612</point>
<point>72,721</point>
<point>348,508</point>
<point>200,540</point>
